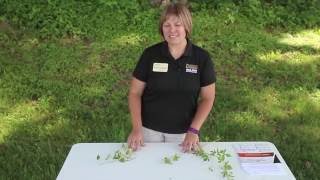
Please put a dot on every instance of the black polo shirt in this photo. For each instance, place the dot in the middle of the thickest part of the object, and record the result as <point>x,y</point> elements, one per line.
<point>169,100</point>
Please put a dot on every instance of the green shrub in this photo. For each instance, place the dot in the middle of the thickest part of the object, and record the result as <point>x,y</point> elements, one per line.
<point>282,13</point>
<point>58,18</point>
<point>68,18</point>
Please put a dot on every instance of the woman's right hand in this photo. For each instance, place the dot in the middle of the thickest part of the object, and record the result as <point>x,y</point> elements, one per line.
<point>135,139</point>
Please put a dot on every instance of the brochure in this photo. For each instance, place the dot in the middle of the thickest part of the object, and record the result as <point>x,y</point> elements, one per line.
<point>259,159</point>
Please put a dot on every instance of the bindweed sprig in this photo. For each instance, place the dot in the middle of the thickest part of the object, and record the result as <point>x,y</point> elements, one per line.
<point>203,154</point>
<point>170,160</point>
<point>221,157</point>
<point>227,171</point>
<point>122,155</point>
<point>226,168</point>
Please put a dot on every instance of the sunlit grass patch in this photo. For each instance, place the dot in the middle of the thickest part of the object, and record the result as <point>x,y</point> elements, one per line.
<point>304,38</point>
<point>304,107</point>
<point>244,125</point>
<point>268,103</point>
<point>245,119</point>
<point>315,97</point>
<point>291,57</point>
<point>24,112</point>
<point>296,105</point>
<point>130,39</point>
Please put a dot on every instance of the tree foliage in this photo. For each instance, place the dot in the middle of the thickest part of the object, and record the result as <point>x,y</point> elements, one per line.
<point>57,18</point>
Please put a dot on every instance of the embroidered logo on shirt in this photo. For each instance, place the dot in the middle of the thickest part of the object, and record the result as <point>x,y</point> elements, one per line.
<point>191,68</point>
<point>160,67</point>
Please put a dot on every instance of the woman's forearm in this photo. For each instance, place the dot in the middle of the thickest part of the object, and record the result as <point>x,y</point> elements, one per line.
<point>207,95</point>
<point>135,110</point>
<point>203,110</point>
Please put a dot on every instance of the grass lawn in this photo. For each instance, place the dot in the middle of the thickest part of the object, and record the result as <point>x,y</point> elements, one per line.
<point>61,91</point>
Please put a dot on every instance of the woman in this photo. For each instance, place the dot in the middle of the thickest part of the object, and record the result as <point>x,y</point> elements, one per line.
<point>166,84</point>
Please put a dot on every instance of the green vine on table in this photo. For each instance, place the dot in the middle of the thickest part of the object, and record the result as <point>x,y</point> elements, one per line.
<point>202,154</point>
<point>123,154</point>
<point>170,160</point>
<point>227,171</point>
<point>221,156</point>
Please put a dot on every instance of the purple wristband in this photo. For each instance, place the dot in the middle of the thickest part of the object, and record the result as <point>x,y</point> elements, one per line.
<point>193,130</point>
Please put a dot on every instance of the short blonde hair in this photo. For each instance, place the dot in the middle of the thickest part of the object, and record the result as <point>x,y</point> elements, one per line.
<point>182,12</point>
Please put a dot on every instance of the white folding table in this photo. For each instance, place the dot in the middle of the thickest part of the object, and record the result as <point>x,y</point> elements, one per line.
<point>147,163</point>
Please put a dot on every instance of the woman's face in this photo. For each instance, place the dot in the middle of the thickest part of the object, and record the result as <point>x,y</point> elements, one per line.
<point>173,30</point>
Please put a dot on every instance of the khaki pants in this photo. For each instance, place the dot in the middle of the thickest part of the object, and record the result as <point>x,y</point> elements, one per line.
<point>153,136</point>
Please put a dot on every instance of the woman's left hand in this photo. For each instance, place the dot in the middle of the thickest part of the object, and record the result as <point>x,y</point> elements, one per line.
<point>190,143</point>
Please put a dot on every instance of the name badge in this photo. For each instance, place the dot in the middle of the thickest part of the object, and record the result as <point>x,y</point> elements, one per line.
<point>190,68</point>
<point>160,67</point>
